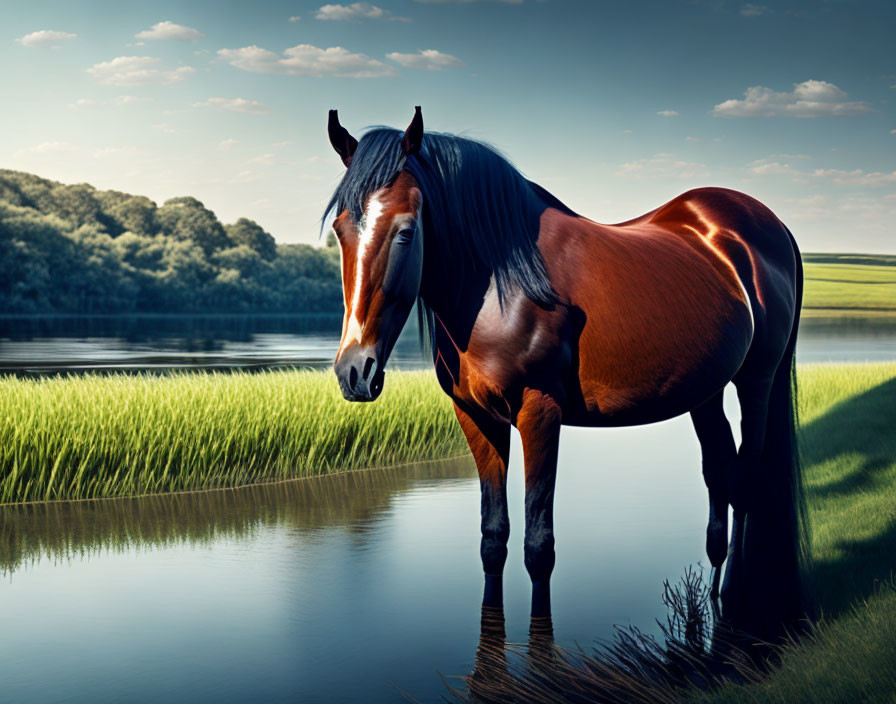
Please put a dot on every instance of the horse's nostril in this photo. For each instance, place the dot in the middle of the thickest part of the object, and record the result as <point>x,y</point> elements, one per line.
<point>352,378</point>
<point>367,367</point>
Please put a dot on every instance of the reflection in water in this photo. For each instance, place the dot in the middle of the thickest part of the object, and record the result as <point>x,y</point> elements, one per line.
<point>35,345</point>
<point>695,648</point>
<point>64,531</point>
<point>47,344</point>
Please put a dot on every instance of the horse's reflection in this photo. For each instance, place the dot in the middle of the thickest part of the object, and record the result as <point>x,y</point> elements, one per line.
<point>633,667</point>
<point>492,680</point>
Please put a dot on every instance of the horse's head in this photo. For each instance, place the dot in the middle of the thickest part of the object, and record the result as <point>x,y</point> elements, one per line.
<point>382,261</point>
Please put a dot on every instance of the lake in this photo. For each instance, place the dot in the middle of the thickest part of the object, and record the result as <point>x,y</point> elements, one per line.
<point>40,345</point>
<point>326,589</point>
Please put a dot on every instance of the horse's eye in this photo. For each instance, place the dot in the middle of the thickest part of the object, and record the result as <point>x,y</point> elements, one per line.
<point>405,235</point>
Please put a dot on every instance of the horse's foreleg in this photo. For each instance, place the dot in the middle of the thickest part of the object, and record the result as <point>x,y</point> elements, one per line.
<point>718,453</point>
<point>489,441</point>
<point>539,421</point>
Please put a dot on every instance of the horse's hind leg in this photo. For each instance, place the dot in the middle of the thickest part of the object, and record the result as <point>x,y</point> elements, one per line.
<point>752,393</point>
<point>718,452</point>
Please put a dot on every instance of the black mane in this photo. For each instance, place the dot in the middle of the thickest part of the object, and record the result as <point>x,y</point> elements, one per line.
<point>476,205</point>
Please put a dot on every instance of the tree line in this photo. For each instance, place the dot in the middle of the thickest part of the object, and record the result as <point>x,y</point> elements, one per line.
<point>76,249</point>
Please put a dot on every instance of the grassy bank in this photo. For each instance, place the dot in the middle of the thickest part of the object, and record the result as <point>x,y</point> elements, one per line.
<point>97,436</point>
<point>849,447</point>
<point>849,285</point>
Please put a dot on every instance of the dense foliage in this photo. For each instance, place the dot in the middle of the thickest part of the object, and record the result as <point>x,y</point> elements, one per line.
<point>75,249</point>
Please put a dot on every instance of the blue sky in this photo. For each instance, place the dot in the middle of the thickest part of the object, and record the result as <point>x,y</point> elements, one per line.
<point>616,107</point>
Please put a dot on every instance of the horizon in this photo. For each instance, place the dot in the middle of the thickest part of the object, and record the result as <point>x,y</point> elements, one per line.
<point>793,104</point>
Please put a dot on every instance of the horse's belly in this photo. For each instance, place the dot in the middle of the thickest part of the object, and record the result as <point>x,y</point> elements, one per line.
<point>646,383</point>
<point>615,409</point>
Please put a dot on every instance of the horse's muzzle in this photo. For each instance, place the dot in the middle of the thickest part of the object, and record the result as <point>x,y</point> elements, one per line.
<point>360,374</point>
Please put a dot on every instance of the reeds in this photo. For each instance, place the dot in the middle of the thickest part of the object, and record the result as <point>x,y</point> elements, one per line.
<point>81,437</point>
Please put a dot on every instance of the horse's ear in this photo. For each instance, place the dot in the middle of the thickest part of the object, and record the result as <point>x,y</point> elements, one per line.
<point>413,135</point>
<point>342,141</point>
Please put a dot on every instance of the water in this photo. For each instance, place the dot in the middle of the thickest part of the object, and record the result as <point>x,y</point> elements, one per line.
<point>325,589</point>
<point>48,344</point>
<point>329,589</point>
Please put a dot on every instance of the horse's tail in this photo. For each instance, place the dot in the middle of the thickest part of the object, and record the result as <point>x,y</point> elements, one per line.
<point>776,534</point>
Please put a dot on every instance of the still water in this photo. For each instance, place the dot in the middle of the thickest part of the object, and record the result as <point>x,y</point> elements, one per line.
<point>327,589</point>
<point>48,344</point>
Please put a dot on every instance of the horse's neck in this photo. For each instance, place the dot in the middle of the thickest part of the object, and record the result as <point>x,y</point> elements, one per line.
<point>454,296</point>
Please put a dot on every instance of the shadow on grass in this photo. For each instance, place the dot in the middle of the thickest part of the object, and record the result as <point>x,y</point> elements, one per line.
<point>849,569</point>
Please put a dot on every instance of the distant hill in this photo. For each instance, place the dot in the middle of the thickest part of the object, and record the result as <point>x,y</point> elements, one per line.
<point>861,259</point>
<point>76,249</point>
<point>73,249</point>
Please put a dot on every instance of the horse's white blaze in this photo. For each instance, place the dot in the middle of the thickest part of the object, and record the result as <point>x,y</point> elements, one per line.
<point>354,327</point>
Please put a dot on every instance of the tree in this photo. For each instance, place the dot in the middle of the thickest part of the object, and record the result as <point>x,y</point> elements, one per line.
<point>129,213</point>
<point>249,233</point>
<point>73,249</point>
<point>186,218</point>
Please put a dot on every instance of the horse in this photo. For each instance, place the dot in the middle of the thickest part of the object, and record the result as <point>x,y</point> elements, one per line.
<point>538,317</point>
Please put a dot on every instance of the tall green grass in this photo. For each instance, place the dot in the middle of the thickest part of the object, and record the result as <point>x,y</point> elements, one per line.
<point>101,436</point>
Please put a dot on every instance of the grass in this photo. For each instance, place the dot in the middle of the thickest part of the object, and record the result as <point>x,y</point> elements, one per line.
<point>121,435</point>
<point>843,285</point>
<point>849,447</point>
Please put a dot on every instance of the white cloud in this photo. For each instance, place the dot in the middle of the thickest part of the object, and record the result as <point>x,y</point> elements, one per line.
<point>662,165</point>
<point>775,168</point>
<point>128,99</point>
<point>808,99</point>
<point>295,18</point>
<point>136,71</point>
<point>226,144</point>
<point>856,177</point>
<point>307,60</point>
<point>113,152</point>
<point>467,2</point>
<point>668,113</point>
<point>168,30</point>
<point>45,39</point>
<point>426,59</point>
<point>354,11</point>
<point>120,100</point>
<point>695,140</point>
<point>251,107</point>
<point>264,159</point>
<point>753,10</point>
<point>892,131</point>
<point>48,148</point>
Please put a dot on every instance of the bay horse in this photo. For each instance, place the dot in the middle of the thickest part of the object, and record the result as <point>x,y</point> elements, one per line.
<point>538,317</point>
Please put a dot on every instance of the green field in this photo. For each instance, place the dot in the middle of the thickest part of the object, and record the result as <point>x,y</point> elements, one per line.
<point>121,435</point>
<point>849,285</point>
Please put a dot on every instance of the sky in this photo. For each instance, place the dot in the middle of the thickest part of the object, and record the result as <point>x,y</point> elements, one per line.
<point>615,107</point>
